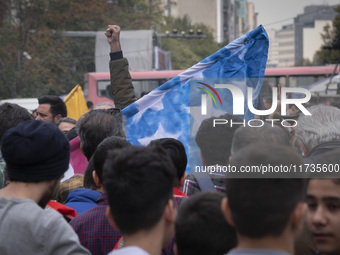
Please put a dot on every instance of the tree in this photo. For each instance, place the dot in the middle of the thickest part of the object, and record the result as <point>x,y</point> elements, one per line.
<point>330,51</point>
<point>187,52</point>
<point>35,58</point>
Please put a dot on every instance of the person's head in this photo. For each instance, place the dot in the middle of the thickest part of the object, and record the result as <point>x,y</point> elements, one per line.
<point>89,105</point>
<point>323,214</point>
<point>139,184</point>
<point>100,155</point>
<point>75,182</point>
<point>177,153</point>
<point>323,200</point>
<point>244,136</point>
<point>292,109</point>
<point>265,207</point>
<point>320,127</point>
<point>66,124</point>
<point>12,115</point>
<point>34,113</point>
<point>267,102</point>
<point>36,152</point>
<point>51,109</point>
<point>201,227</point>
<point>94,126</point>
<point>215,142</point>
<point>72,133</point>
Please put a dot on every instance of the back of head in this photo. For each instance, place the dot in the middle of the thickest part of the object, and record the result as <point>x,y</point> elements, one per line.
<point>89,105</point>
<point>244,136</point>
<point>201,227</point>
<point>139,183</point>
<point>75,182</point>
<point>58,106</point>
<point>35,151</point>
<point>215,142</point>
<point>66,119</point>
<point>93,127</point>
<point>263,207</point>
<point>177,153</point>
<point>100,155</point>
<point>11,115</point>
<point>322,126</point>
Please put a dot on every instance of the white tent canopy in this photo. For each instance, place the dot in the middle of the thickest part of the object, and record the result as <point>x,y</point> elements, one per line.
<point>320,87</point>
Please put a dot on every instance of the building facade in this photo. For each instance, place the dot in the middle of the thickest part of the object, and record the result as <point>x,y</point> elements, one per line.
<point>286,41</point>
<point>310,24</point>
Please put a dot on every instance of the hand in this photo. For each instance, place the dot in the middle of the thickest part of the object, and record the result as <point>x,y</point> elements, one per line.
<point>112,34</point>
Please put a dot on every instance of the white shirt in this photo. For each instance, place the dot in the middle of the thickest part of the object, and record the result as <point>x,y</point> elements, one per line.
<point>129,250</point>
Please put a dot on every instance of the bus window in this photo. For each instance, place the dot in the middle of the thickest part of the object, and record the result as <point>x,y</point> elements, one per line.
<point>104,88</point>
<point>146,85</point>
<point>304,80</point>
<point>274,81</point>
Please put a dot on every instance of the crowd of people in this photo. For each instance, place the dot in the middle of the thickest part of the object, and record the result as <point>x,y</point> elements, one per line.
<point>79,187</point>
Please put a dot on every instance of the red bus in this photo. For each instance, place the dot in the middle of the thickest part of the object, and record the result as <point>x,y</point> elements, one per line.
<point>97,85</point>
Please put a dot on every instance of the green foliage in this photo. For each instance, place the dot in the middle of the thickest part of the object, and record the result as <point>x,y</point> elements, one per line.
<point>187,52</point>
<point>329,36</point>
<point>35,59</point>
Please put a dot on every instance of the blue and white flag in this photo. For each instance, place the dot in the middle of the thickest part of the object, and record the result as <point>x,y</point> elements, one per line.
<point>166,111</point>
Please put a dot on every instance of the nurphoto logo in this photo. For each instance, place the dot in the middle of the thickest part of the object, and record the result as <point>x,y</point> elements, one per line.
<point>238,105</point>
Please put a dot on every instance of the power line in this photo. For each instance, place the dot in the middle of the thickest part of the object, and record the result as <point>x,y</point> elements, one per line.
<point>308,13</point>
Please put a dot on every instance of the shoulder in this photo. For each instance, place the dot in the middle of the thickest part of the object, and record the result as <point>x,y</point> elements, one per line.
<point>42,226</point>
<point>130,250</point>
<point>190,186</point>
<point>90,220</point>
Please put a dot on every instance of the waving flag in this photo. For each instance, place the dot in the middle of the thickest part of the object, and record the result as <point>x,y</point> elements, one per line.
<point>167,110</point>
<point>75,103</point>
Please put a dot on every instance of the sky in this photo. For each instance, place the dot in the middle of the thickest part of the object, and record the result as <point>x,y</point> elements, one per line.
<point>273,14</point>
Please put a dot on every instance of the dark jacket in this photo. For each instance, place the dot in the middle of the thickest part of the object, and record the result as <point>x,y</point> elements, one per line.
<point>121,83</point>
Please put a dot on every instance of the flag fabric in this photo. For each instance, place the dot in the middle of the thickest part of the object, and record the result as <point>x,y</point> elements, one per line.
<point>75,103</point>
<point>166,112</point>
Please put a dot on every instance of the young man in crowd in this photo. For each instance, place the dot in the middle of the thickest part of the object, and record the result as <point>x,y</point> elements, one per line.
<point>323,199</point>
<point>37,155</point>
<point>266,213</point>
<point>139,183</point>
<point>51,109</point>
<point>201,227</point>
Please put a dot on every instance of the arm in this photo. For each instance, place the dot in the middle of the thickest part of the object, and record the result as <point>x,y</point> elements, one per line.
<point>121,82</point>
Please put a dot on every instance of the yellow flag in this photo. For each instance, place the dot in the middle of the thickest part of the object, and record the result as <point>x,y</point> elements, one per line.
<point>75,103</point>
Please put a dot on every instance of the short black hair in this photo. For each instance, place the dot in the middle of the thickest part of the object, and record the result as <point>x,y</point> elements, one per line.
<point>215,142</point>
<point>11,115</point>
<point>89,104</point>
<point>201,227</point>
<point>244,136</point>
<point>139,183</point>
<point>88,179</point>
<point>58,106</point>
<point>262,207</point>
<point>177,153</point>
<point>72,134</point>
<point>94,126</point>
<point>100,155</point>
